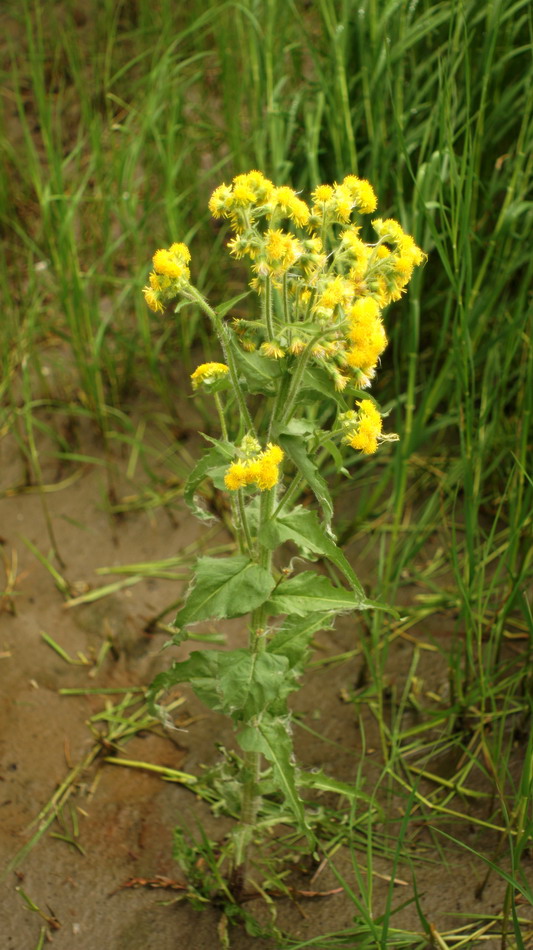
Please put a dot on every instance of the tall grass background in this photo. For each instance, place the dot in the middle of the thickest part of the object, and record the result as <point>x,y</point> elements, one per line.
<point>118,119</point>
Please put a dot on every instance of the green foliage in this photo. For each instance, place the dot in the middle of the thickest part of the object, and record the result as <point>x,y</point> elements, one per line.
<point>225,587</point>
<point>239,683</point>
<point>271,738</point>
<point>293,637</point>
<point>296,450</point>
<point>204,466</point>
<point>303,528</point>
<point>308,593</point>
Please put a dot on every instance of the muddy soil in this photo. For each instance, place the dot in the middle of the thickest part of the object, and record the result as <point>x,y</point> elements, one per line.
<point>119,820</point>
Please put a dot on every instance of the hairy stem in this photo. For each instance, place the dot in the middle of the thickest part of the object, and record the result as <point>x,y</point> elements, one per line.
<point>252,760</point>
<point>226,344</point>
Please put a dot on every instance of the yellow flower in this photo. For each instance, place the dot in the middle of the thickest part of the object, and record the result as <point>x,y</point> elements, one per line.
<point>181,251</point>
<point>172,262</point>
<point>342,204</point>
<point>272,350</point>
<point>362,193</point>
<point>282,249</point>
<point>256,181</point>
<point>207,372</point>
<point>340,381</point>
<point>287,201</point>
<point>220,201</point>
<point>267,475</point>
<point>322,193</point>
<point>152,299</point>
<point>274,453</point>
<point>262,471</point>
<point>243,196</point>
<point>366,435</point>
<point>334,293</point>
<point>363,308</point>
<point>236,476</point>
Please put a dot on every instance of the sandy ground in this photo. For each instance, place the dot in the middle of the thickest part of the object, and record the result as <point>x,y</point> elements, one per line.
<point>126,816</point>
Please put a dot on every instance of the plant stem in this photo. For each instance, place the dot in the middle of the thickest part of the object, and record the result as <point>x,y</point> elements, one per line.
<point>268,309</point>
<point>226,345</point>
<point>243,520</point>
<point>252,760</point>
<point>222,419</point>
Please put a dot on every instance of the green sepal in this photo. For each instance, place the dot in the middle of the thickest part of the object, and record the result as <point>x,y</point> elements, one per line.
<point>225,587</point>
<point>309,592</point>
<point>295,448</point>
<point>303,528</point>
<point>218,384</point>
<point>271,738</point>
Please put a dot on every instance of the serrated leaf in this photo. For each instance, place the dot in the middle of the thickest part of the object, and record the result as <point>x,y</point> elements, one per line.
<point>239,683</point>
<point>271,738</point>
<point>303,528</point>
<point>196,477</point>
<point>295,448</point>
<point>309,592</point>
<point>225,587</point>
<point>292,639</point>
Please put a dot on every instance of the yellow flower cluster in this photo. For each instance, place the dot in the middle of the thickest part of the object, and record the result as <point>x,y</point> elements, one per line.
<point>363,428</point>
<point>333,204</point>
<point>169,276</point>
<point>329,281</point>
<point>208,372</point>
<point>367,336</point>
<point>323,288</point>
<point>261,470</point>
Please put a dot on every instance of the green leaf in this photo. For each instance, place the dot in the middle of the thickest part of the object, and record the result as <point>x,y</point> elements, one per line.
<point>252,682</point>
<point>296,449</point>
<point>239,683</point>
<point>271,738</point>
<point>292,639</point>
<point>336,456</point>
<point>225,587</point>
<point>300,427</point>
<point>226,449</point>
<point>258,372</point>
<point>225,307</point>
<point>200,471</point>
<point>309,592</point>
<point>322,782</point>
<point>303,528</point>
<point>318,381</point>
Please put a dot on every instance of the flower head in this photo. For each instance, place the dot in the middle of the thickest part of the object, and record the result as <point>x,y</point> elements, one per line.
<point>208,372</point>
<point>261,469</point>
